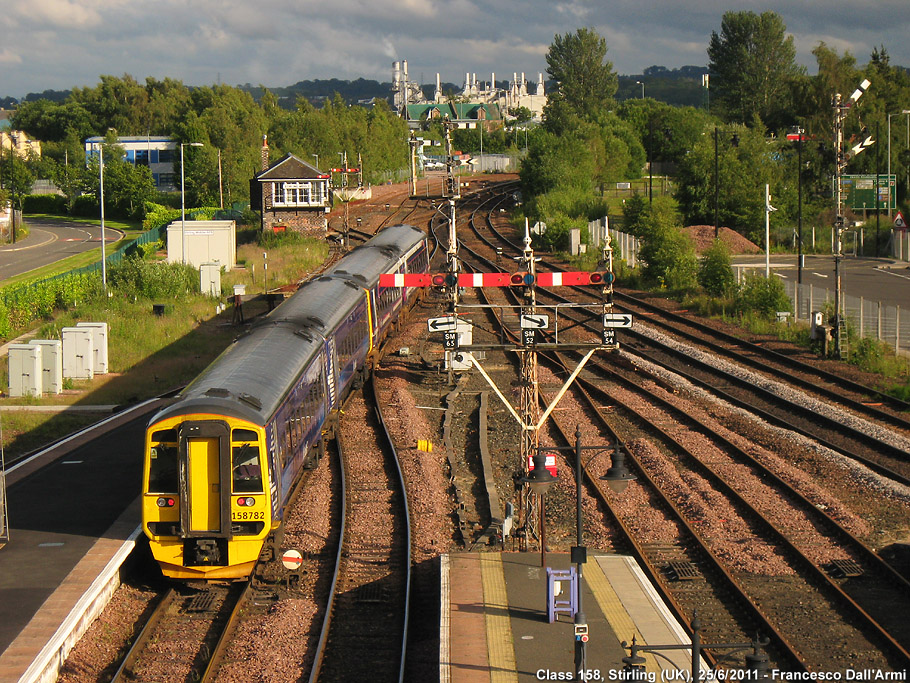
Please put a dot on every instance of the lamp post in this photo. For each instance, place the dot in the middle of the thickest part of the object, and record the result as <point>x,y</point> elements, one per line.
<point>642,84</point>
<point>316,156</point>
<point>101,202</point>
<point>798,134</point>
<point>617,477</point>
<point>183,200</point>
<point>757,661</point>
<point>735,142</point>
<point>539,479</point>
<point>220,183</point>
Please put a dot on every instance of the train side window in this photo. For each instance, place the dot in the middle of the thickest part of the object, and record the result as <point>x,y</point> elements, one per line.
<point>163,467</point>
<point>245,469</point>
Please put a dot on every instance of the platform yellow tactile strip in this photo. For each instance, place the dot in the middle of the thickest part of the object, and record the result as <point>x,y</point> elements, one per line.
<point>613,610</point>
<point>498,624</point>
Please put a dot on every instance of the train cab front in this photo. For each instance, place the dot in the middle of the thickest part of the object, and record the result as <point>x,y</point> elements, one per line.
<point>206,503</point>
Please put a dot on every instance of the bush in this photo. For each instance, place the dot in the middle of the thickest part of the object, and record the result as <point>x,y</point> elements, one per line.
<point>136,278</point>
<point>556,236</point>
<point>44,203</point>
<point>763,296</point>
<point>86,205</point>
<point>157,215</point>
<point>715,273</point>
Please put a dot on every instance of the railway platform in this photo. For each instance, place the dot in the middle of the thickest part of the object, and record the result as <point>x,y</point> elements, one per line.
<point>494,625</point>
<point>74,518</point>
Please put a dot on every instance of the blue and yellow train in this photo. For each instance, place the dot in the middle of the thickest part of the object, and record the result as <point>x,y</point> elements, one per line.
<point>221,461</point>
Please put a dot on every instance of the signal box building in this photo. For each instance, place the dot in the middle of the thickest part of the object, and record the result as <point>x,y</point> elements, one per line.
<point>292,195</point>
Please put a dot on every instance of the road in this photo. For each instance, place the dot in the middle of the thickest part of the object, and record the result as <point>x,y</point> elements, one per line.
<point>50,241</point>
<point>874,279</point>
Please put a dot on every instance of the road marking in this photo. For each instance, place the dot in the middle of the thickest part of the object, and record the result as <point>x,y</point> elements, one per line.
<point>818,274</point>
<point>906,277</point>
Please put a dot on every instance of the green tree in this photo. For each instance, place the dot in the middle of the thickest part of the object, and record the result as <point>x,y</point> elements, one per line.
<point>668,253</point>
<point>746,162</point>
<point>752,64</point>
<point>586,83</point>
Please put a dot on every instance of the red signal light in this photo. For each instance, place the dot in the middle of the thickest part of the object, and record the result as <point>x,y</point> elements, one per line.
<point>521,279</point>
<point>439,280</point>
<point>165,502</point>
<point>601,278</point>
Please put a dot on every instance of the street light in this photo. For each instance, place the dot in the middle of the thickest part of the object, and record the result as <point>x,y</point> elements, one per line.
<point>316,156</point>
<point>642,84</point>
<point>617,477</point>
<point>539,479</point>
<point>101,184</point>
<point>183,199</point>
<point>735,142</point>
<point>756,662</point>
<point>799,135</point>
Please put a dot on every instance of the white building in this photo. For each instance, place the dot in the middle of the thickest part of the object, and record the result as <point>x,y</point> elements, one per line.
<point>159,153</point>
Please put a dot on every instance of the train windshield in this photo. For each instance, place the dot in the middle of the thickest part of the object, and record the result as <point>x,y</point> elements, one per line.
<point>163,462</point>
<point>246,471</point>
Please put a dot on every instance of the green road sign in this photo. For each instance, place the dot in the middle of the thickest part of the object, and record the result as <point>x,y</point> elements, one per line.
<point>861,191</point>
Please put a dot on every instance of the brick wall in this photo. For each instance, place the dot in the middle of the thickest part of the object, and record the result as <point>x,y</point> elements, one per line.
<point>309,223</point>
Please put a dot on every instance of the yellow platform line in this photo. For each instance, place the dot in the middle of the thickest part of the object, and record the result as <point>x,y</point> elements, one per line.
<point>613,610</point>
<point>500,650</point>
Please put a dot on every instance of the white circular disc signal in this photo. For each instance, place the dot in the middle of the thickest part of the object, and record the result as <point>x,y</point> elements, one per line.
<point>292,559</point>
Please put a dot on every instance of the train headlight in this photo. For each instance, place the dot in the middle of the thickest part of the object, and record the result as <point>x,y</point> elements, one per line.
<point>246,502</point>
<point>164,502</point>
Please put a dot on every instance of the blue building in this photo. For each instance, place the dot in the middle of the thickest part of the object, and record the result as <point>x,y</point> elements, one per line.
<point>159,153</point>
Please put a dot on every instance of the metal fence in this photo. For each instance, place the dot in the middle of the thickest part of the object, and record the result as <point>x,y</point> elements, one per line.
<point>627,244</point>
<point>867,318</point>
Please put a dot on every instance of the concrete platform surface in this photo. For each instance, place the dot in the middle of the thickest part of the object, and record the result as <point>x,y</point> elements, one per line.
<point>494,625</point>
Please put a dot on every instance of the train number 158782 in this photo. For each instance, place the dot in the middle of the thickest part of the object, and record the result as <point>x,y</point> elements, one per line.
<point>247,515</point>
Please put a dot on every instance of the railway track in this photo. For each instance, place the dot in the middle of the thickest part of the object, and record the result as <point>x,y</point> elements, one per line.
<point>364,634</point>
<point>831,569</point>
<point>184,630</point>
<point>850,603</point>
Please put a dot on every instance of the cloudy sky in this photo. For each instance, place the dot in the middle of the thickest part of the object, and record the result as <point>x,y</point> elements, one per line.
<point>58,44</point>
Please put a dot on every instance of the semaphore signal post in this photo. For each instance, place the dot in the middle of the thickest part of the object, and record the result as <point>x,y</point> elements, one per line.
<point>534,319</point>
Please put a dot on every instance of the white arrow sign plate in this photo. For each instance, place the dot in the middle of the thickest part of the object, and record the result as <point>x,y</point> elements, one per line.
<point>535,322</point>
<point>447,324</point>
<point>617,320</point>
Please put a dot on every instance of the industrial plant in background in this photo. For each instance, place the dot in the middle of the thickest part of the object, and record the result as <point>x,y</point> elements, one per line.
<point>407,93</point>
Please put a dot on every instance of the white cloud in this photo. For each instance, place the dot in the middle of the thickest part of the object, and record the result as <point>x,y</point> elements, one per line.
<point>9,57</point>
<point>61,13</point>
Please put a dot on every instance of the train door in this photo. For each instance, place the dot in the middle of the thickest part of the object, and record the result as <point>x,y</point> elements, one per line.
<point>205,491</point>
<point>204,484</point>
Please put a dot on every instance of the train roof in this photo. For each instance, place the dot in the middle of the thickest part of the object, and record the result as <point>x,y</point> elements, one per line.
<point>361,263</point>
<point>252,377</point>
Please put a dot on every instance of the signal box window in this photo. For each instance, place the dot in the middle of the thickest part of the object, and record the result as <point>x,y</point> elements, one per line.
<point>163,462</point>
<point>246,472</point>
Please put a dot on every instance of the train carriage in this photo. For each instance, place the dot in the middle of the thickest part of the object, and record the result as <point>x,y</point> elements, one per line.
<point>221,461</point>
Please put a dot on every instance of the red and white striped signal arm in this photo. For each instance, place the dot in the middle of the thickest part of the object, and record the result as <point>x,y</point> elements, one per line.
<point>567,279</point>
